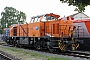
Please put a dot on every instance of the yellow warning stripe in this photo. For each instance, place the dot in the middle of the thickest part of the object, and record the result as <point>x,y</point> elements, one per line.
<point>75,46</point>
<point>72,40</point>
<point>62,46</point>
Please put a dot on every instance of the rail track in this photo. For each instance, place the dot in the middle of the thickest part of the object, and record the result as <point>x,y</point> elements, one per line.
<point>80,54</point>
<point>6,56</point>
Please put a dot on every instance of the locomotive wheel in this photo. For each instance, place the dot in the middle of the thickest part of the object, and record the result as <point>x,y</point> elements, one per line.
<point>13,42</point>
<point>51,49</point>
<point>17,44</point>
<point>20,46</point>
<point>8,42</point>
<point>37,46</point>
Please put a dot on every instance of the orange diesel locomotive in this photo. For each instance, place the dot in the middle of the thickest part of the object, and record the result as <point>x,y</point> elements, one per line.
<point>44,32</point>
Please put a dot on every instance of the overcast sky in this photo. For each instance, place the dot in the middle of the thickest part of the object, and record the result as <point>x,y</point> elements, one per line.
<point>39,7</point>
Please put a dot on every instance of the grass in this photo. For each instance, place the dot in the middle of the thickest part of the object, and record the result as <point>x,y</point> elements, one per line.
<point>57,58</point>
<point>25,55</point>
<point>2,42</point>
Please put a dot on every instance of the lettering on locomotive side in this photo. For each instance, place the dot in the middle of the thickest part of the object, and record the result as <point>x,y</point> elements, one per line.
<point>31,28</point>
<point>34,28</point>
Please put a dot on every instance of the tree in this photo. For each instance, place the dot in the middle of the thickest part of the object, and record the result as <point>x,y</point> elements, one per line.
<point>80,4</point>
<point>11,16</point>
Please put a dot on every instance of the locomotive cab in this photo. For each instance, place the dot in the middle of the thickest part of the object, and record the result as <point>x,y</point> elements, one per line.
<point>40,25</point>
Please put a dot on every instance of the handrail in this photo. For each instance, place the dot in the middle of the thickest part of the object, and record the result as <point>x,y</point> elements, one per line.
<point>23,29</point>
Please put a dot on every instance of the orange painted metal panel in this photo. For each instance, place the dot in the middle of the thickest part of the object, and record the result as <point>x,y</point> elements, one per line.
<point>35,29</point>
<point>19,30</point>
<point>59,28</point>
<point>47,28</point>
<point>23,30</point>
<point>13,30</point>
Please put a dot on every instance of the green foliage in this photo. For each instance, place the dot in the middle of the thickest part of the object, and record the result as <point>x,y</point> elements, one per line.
<point>80,4</point>
<point>11,16</point>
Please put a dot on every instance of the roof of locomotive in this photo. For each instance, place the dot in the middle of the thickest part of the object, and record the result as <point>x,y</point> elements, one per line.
<point>50,14</point>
